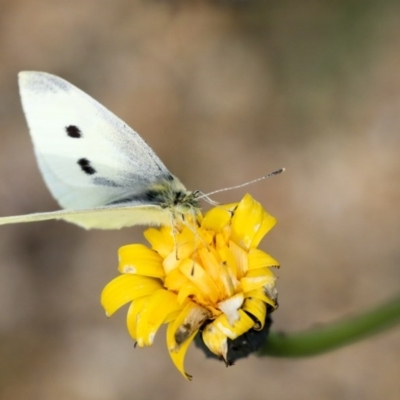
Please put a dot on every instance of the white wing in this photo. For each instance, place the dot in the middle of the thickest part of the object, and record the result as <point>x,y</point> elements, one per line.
<point>87,155</point>
<point>102,217</point>
<point>96,167</point>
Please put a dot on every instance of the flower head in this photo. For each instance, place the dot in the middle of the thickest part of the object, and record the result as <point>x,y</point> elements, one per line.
<point>203,275</point>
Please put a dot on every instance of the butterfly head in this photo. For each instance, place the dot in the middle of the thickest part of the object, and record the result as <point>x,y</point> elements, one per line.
<point>172,195</point>
<point>186,203</point>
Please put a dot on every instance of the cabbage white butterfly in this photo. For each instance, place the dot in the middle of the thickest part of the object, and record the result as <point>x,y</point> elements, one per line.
<point>99,170</point>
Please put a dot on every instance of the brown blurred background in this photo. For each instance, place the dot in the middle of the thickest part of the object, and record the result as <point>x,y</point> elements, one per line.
<point>224,91</point>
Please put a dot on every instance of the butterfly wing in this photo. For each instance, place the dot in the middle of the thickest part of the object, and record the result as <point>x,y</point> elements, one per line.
<point>109,217</point>
<point>87,155</point>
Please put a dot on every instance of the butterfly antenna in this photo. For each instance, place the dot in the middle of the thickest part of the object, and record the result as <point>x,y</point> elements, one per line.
<point>206,195</point>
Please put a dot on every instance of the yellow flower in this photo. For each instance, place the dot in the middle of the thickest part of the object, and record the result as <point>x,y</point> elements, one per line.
<point>205,275</point>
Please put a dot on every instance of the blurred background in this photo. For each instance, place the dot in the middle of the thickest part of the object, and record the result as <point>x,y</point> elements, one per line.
<point>224,92</point>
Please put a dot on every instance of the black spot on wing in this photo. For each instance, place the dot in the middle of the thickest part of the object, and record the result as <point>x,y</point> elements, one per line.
<point>84,163</point>
<point>73,131</point>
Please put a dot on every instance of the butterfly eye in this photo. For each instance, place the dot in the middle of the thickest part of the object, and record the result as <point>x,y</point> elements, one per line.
<point>73,131</point>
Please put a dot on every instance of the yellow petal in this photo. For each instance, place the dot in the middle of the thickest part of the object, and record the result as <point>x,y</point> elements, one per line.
<point>255,282</point>
<point>172,316</point>
<point>140,260</point>
<point>189,291</point>
<point>217,218</point>
<point>241,258</point>
<point>198,276</point>
<point>246,221</point>
<point>186,243</point>
<point>258,259</point>
<point>261,272</point>
<point>260,294</point>
<point>222,238</point>
<point>204,236</point>
<point>257,278</point>
<point>208,258</point>
<point>242,325</point>
<point>161,240</point>
<point>170,262</point>
<point>161,303</point>
<point>178,353</point>
<point>178,349</point>
<point>126,288</point>
<point>257,309</point>
<point>228,261</point>
<point>175,280</point>
<point>215,340</point>
<point>220,271</point>
<point>250,223</point>
<point>268,222</point>
<point>133,311</point>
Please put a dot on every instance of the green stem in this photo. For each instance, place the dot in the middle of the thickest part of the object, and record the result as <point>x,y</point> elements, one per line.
<point>332,336</point>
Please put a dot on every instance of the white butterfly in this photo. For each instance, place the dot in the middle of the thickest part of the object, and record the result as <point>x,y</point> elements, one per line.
<point>97,168</point>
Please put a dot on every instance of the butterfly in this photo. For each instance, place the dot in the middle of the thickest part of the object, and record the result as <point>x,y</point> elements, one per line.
<point>100,171</point>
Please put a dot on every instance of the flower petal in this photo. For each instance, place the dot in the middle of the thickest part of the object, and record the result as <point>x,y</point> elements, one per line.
<point>258,259</point>
<point>257,309</point>
<point>217,218</point>
<point>161,240</point>
<point>133,311</point>
<point>250,223</point>
<point>220,270</point>
<point>246,221</point>
<point>191,291</point>
<point>198,276</point>
<point>161,304</point>
<point>178,353</point>
<point>126,288</point>
<point>140,260</point>
<point>175,280</point>
<point>216,341</point>
<point>268,222</point>
<point>186,244</point>
<point>241,258</point>
<point>178,340</point>
<point>256,278</point>
<point>232,331</point>
<point>260,294</point>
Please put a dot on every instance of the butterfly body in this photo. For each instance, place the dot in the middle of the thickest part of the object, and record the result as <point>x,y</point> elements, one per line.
<point>99,170</point>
